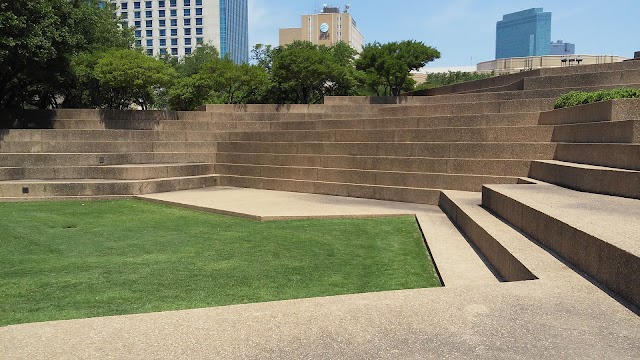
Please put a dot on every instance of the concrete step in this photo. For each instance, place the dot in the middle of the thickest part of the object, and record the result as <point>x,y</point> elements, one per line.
<point>536,133</point>
<point>95,159</point>
<point>288,108</point>
<point>598,234</point>
<point>481,107</point>
<point>411,122</point>
<point>367,191</point>
<point>499,167</point>
<point>618,77</point>
<point>110,135</point>
<point>627,131</point>
<point>38,188</point>
<point>513,256</point>
<point>589,178</point>
<point>464,182</point>
<point>112,172</point>
<point>612,110</point>
<point>460,150</point>
<point>105,146</point>
<point>622,156</point>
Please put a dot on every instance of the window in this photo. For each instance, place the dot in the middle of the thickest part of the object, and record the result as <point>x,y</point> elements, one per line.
<point>198,2</point>
<point>162,13</point>
<point>163,51</point>
<point>172,3</point>
<point>124,5</point>
<point>187,51</point>
<point>136,14</point>
<point>147,5</point>
<point>149,42</point>
<point>136,5</point>
<point>174,42</point>
<point>174,32</point>
<point>148,14</point>
<point>199,11</point>
<point>163,32</point>
<point>150,52</point>
<point>187,31</point>
<point>187,2</point>
<point>149,23</point>
<point>198,31</point>
<point>187,41</point>
<point>161,4</point>
<point>174,13</point>
<point>174,22</point>
<point>187,22</point>
<point>124,15</point>
<point>138,43</point>
<point>149,33</point>
<point>138,33</point>
<point>174,51</point>
<point>162,23</point>
<point>163,42</point>
<point>199,21</point>
<point>136,24</point>
<point>199,40</point>
<point>187,12</point>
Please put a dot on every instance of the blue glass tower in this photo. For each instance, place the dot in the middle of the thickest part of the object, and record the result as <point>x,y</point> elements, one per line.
<point>234,29</point>
<point>524,33</point>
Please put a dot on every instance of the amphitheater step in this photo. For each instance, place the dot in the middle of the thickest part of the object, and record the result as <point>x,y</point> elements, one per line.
<point>591,79</point>
<point>105,146</point>
<point>94,159</point>
<point>512,255</point>
<point>627,131</point>
<point>481,107</point>
<point>598,234</point>
<point>612,110</point>
<point>114,172</point>
<point>499,167</point>
<point>535,133</point>
<point>37,188</point>
<point>367,177</point>
<point>589,178</point>
<point>622,156</point>
<point>460,150</point>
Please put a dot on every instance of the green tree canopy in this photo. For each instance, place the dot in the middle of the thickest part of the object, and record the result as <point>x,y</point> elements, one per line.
<point>390,64</point>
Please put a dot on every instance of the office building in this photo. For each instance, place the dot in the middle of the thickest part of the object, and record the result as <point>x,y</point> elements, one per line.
<point>524,33</point>
<point>178,27</point>
<point>562,48</point>
<point>326,28</point>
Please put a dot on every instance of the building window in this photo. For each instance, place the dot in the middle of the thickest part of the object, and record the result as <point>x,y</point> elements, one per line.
<point>124,15</point>
<point>174,32</point>
<point>149,23</point>
<point>198,31</point>
<point>174,51</point>
<point>137,25</point>
<point>187,31</point>
<point>148,4</point>
<point>162,23</point>
<point>198,2</point>
<point>162,13</point>
<point>174,13</point>
<point>163,32</point>
<point>174,22</point>
<point>124,5</point>
<point>138,43</point>
<point>161,4</point>
<point>149,42</point>
<point>187,12</point>
<point>199,40</point>
<point>187,41</point>
<point>163,51</point>
<point>150,52</point>
<point>199,21</point>
<point>187,2</point>
<point>148,13</point>
<point>172,3</point>
<point>187,22</point>
<point>136,14</point>
<point>187,51</point>
<point>199,11</point>
<point>136,5</point>
<point>138,33</point>
<point>174,42</point>
<point>163,42</point>
<point>149,33</point>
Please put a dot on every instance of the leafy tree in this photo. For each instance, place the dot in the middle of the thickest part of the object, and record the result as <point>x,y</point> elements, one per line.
<point>194,63</point>
<point>388,66</point>
<point>188,93</point>
<point>129,76</point>
<point>452,77</point>
<point>38,40</point>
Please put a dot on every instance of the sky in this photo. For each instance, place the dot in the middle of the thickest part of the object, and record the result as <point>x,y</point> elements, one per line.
<point>463,31</point>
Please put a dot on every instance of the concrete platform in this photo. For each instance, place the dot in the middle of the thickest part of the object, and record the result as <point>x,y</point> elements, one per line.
<point>559,316</point>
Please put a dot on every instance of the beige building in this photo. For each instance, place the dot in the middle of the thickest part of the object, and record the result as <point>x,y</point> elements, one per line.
<point>326,28</point>
<point>512,65</point>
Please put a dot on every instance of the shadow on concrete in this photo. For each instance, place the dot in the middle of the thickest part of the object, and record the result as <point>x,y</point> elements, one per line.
<point>27,119</point>
<point>134,119</point>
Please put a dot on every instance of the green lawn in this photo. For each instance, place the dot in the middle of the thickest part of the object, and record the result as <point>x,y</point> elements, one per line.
<point>66,260</point>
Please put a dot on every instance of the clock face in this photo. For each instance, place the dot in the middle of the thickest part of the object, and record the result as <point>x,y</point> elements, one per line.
<point>324,27</point>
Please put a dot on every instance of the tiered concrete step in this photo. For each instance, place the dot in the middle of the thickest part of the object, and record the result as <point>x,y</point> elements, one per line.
<point>589,178</point>
<point>598,234</point>
<point>622,156</point>
<point>619,77</point>
<point>94,159</point>
<point>46,146</point>
<point>627,131</point>
<point>481,107</point>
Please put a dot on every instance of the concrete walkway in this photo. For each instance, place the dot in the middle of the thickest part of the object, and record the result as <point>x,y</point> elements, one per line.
<point>473,316</point>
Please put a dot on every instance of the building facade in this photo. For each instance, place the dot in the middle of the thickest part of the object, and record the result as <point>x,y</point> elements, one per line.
<point>178,27</point>
<point>517,64</point>
<point>562,48</point>
<point>326,28</point>
<point>524,33</point>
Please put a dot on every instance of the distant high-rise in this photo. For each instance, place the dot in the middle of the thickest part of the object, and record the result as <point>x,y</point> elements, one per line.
<point>562,48</point>
<point>178,27</point>
<point>524,33</point>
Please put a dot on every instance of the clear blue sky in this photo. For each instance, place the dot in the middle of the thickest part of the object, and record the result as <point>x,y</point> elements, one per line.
<point>463,30</point>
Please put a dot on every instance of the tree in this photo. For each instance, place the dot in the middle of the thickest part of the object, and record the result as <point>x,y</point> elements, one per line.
<point>38,40</point>
<point>130,77</point>
<point>390,64</point>
<point>193,63</point>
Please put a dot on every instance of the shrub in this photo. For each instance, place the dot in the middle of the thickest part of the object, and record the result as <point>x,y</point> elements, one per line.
<point>575,98</point>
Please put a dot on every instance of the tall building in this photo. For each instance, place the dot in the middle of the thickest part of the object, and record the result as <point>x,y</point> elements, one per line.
<point>178,27</point>
<point>524,33</point>
<point>562,48</point>
<point>326,28</point>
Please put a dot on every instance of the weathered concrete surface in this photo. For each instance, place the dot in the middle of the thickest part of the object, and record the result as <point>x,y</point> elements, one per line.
<point>561,315</point>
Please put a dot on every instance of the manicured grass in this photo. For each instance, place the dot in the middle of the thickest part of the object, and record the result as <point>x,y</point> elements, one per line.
<point>67,260</point>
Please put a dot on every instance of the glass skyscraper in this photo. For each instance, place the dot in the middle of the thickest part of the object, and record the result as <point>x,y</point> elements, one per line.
<point>524,33</point>
<point>178,27</point>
